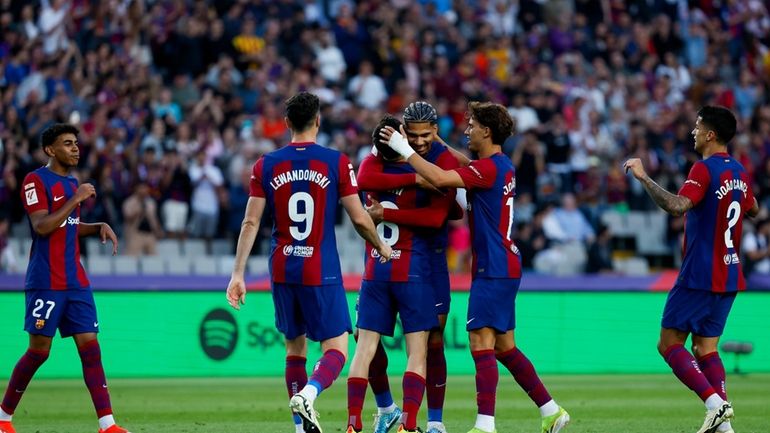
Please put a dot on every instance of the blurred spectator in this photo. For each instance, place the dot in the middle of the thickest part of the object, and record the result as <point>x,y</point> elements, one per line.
<point>8,261</point>
<point>177,189</point>
<point>206,179</point>
<point>566,223</point>
<point>141,228</point>
<point>366,89</point>
<point>600,252</point>
<point>756,248</point>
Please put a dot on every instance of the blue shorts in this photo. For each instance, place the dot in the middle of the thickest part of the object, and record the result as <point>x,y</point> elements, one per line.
<point>320,312</point>
<point>380,301</point>
<point>700,312</point>
<point>439,279</point>
<point>492,304</point>
<point>70,311</point>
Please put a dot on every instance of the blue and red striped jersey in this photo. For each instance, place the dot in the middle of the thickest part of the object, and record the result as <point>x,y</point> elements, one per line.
<point>54,260</point>
<point>721,193</point>
<point>409,261</point>
<point>443,158</point>
<point>491,186</point>
<point>302,184</point>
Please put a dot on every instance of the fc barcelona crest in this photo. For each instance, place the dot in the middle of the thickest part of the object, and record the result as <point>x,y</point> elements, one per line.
<point>39,323</point>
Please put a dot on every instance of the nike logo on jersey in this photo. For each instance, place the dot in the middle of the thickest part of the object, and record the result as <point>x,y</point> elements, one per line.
<point>58,198</point>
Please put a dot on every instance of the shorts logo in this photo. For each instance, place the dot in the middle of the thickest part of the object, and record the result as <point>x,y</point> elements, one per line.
<point>39,324</point>
<point>218,334</point>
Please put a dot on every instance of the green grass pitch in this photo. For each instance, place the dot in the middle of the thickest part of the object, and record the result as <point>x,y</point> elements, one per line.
<point>597,404</point>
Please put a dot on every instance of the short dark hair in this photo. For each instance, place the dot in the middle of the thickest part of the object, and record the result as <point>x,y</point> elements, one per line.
<point>720,120</point>
<point>420,111</point>
<point>302,109</point>
<point>382,147</point>
<point>493,116</point>
<point>49,135</point>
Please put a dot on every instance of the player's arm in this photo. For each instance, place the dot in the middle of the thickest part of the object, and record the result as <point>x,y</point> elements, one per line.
<point>431,216</point>
<point>372,178</point>
<point>364,224</point>
<point>236,289</point>
<point>104,231</point>
<point>754,211</point>
<point>461,158</point>
<point>44,223</point>
<point>674,204</point>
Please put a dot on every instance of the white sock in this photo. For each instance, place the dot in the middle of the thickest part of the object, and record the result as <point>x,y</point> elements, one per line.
<point>549,409</point>
<point>485,422</point>
<point>106,422</point>
<point>436,424</point>
<point>310,392</point>
<point>298,428</point>
<point>725,426</point>
<point>714,401</point>
<point>384,410</point>
<point>5,416</point>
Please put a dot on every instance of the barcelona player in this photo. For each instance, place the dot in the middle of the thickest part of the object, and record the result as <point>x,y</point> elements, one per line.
<point>300,186</point>
<point>58,293</point>
<point>490,185</point>
<point>422,132</point>
<point>714,198</point>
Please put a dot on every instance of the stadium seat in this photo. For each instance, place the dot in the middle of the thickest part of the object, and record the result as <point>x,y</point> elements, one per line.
<point>100,265</point>
<point>21,230</point>
<point>169,248</point>
<point>26,246</point>
<point>15,244</point>
<point>126,265</point>
<point>225,264</point>
<point>176,265</point>
<point>257,265</point>
<point>152,265</point>
<point>202,265</point>
<point>22,262</point>
<point>94,247</point>
<point>221,247</point>
<point>194,247</point>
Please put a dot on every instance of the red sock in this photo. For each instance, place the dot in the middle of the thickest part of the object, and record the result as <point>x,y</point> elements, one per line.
<point>378,371</point>
<point>295,374</point>
<point>436,377</point>
<point>327,369</point>
<point>21,376</point>
<point>414,388</point>
<point>356,396</point>
<point>524,372</point>
<point>712,367</point>
<point>93,374</point>
<point>486,381</point>
<point>686,369</point>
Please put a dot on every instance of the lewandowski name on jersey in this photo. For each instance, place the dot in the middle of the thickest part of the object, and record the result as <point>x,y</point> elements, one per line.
<point>300,175</point>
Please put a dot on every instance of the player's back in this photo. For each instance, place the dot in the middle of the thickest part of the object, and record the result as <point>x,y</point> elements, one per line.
<point>54,261</point>
<point>303,183</point>
<point>490,213</point>
<point>410,245</point>
<point>713,228</point>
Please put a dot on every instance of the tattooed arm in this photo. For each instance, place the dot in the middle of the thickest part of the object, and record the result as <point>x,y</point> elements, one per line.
<point>674,204</point>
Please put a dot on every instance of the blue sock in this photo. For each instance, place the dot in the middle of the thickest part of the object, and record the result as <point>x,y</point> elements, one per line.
<point>384,399</point>
<point>317,386</point>
<point>435,415</point>
<point>297,419</point>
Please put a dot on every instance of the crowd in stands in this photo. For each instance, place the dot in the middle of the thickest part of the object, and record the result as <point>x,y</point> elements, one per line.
<point>176,99</point>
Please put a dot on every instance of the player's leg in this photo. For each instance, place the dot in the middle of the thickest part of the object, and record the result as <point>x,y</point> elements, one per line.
<point>295,373</point>
<point>80,322</point>
<point>366,347</point>
<point>482,344</point>
<point>42,316</point>
<point>693,311</point>
<point>28,364</point>
<point>324,310</point>
<point>554,417</point>
<point>435,377</point>
<point>705,351</point>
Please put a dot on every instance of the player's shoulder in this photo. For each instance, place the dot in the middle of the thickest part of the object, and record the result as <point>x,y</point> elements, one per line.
<point>36,175</point>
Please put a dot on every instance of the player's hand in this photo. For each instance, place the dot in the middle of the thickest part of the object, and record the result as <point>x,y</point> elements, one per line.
<point>636,167</point>
<point>423,183</point>
<point>397,141</point>
<point>375,211</point>
<point>84,192</point>
<point>385,252</point>
<point>236,292</point>
<point>105,234</point>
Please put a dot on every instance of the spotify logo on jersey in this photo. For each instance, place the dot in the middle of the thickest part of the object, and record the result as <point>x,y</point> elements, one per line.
<point>218,334</point>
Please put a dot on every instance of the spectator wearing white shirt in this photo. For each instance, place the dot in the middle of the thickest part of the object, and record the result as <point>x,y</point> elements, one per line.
<point>331,62</point>
<point>206,179</point>
<point>366,89</point>
<point>52,24</point>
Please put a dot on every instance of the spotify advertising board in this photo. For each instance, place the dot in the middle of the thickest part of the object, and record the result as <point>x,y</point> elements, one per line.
<point>167,334</point>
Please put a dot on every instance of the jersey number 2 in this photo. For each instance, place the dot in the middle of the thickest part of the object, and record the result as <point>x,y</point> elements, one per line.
<point>733,212</point>
<point>301,209</point>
